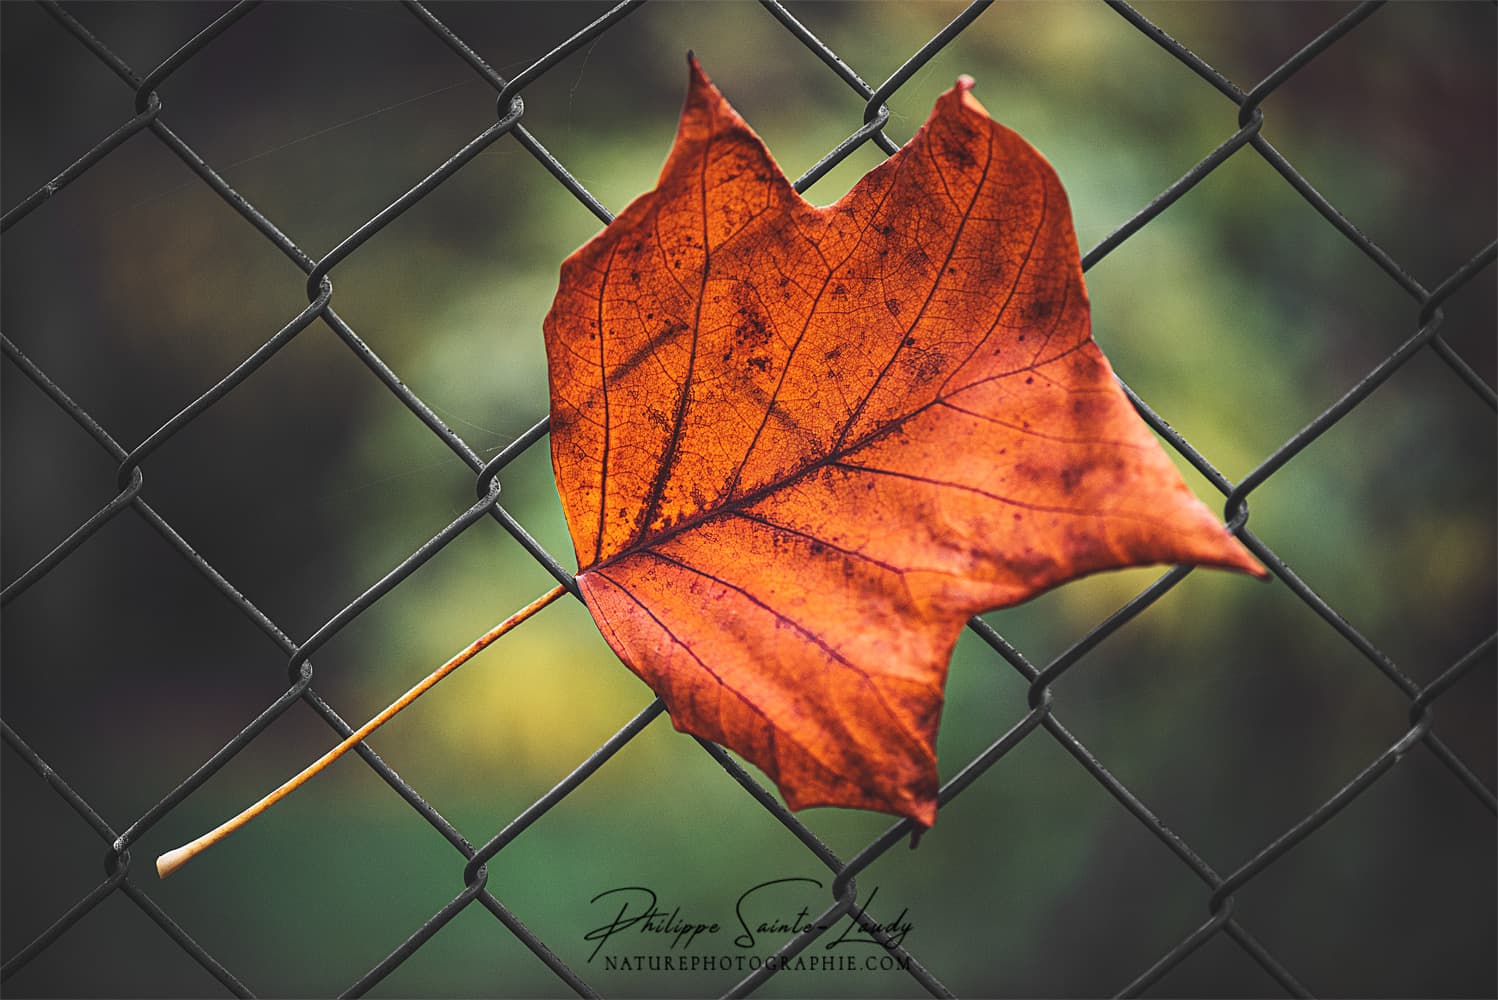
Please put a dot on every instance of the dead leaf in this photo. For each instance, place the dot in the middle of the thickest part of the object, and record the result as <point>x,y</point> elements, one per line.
<point>799,447</point>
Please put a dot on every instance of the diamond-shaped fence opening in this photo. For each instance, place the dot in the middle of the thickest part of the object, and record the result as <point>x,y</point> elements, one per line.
<point>283,266</point>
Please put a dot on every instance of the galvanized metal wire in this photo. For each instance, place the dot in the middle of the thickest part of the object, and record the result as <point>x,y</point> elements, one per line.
<point>144,108</point>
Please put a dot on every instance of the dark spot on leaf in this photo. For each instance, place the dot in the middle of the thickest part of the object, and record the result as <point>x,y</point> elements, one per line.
<point>956,152</point>
<point>752,332</point>
<point>893,305</point>
<point>929,365</point>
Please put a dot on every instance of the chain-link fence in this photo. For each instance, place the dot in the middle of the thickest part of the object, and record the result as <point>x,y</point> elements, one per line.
<point>147,120</point>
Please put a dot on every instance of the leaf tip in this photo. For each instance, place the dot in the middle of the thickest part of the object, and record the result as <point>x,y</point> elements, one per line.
<point>1256,569</point>
<point>1236,556</point>
<point>920,811</point>
<point>963,91</point>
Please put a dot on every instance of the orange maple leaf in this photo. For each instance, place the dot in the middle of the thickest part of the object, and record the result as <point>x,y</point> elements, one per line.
<point>799,447</point>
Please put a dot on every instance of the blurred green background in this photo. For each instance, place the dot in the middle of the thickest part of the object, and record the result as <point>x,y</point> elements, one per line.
<point>1229,708</point>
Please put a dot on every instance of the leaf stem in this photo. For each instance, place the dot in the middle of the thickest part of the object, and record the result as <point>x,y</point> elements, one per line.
<point>172,860</point>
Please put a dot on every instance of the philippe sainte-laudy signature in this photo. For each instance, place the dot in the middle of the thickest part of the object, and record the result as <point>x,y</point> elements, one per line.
<point>764,913</point>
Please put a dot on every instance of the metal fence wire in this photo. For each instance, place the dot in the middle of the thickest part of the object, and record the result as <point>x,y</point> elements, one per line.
<point>149,113</point>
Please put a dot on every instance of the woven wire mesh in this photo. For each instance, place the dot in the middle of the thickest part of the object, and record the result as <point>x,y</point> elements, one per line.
<point>1244,111</point>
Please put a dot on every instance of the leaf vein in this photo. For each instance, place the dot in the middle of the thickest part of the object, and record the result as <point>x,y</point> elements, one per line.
<point>815,639</point>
